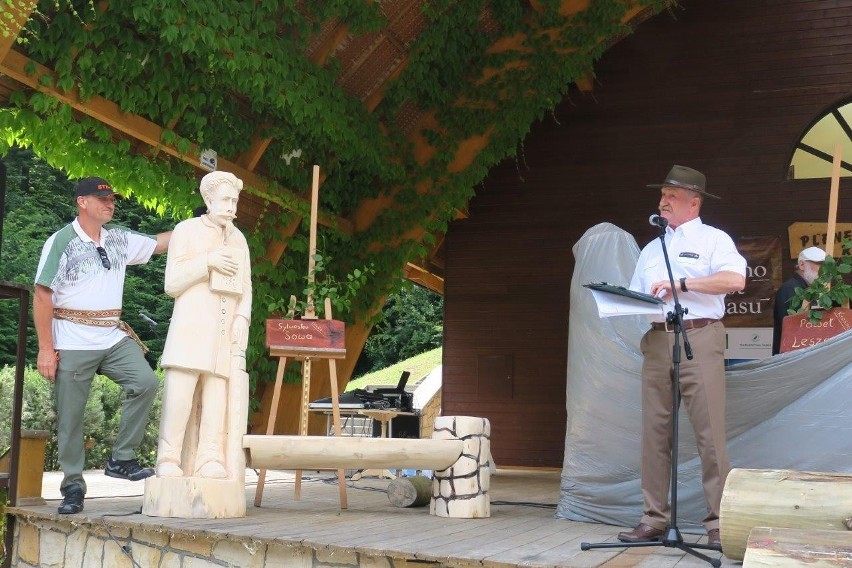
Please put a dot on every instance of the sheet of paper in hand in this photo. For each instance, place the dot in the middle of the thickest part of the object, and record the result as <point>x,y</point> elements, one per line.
<point>613,300</point>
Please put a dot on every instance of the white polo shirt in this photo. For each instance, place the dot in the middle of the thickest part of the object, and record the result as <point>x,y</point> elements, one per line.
<point>695,250</point>
<point>71,267</point>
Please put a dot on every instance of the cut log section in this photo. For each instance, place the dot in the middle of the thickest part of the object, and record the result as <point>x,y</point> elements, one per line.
<point>783,499</point>
<point>321,452</point>
<point>788,548</point>
<point>415,491</point>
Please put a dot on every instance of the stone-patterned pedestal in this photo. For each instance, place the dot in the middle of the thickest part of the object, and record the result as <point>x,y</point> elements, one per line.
<point>461,491</point>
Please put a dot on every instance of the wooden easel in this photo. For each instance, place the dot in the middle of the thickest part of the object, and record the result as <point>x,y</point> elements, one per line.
<point>329,345</point>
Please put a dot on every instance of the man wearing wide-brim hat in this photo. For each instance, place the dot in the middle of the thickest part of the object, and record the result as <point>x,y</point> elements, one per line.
<point>705,267</point>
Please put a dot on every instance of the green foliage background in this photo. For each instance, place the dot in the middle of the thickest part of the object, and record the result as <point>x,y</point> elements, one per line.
<point>412,322</point>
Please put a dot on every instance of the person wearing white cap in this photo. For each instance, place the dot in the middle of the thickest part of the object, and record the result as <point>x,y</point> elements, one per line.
<point>807,270</point>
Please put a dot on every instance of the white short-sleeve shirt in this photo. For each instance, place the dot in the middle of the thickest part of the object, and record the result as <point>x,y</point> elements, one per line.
<point>695,250</point>
<point>72,268</point>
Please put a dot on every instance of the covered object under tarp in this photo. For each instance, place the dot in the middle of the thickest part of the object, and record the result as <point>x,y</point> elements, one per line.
<point>790,411</point>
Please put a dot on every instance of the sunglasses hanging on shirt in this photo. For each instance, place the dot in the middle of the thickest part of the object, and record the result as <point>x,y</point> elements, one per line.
<point>104,258</point>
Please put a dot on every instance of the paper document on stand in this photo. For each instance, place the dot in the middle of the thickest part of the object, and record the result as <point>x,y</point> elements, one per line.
<point>614,305</point>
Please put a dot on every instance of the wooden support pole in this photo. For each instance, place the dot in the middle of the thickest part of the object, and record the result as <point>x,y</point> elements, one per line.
<point>303,417</point>
<point>270,425</point>
<point>310,310</point>
<point>832,201</point>
<point>335,413</point>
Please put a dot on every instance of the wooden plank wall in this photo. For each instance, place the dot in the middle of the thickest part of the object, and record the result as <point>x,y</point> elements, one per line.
<point>725,86</point>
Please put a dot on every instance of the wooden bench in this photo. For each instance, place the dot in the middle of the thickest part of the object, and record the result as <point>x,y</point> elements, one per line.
<point>459,453</point>
<point>321,452</point>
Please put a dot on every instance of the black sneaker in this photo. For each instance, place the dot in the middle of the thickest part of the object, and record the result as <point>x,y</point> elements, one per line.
<point>127,469</point>
<point>72,502</point>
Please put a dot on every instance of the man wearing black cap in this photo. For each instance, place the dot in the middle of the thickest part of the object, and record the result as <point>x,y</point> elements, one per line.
<point>706,266</point>
<point>76,310</point>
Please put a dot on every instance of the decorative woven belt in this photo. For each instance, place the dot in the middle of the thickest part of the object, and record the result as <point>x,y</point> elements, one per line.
<point>96,318</point>
<point>687,324</point>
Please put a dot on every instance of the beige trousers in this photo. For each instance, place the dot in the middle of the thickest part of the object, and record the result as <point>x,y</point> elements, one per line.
<point>702,386</point>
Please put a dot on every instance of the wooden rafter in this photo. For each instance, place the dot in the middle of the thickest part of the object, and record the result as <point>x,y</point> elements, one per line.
<point>19,13</point>
<point>14,65</point>
<point>421,276</point>
<point>320,57</point>
<point>252,156</point>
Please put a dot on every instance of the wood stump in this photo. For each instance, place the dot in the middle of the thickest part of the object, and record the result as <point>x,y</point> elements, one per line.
<point>783,499</point>
<point>413,491</point>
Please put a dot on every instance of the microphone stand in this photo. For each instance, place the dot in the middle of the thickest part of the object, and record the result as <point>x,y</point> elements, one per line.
<point>672,537</point>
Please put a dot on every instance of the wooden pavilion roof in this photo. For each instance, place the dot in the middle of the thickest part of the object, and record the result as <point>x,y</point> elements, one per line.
<point>366,63</point>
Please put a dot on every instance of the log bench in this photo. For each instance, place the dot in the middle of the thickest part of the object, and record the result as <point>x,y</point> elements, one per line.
<point>458,452</point>
<point>799,500</point>
<point>321,452</point>
<point>802,548</point>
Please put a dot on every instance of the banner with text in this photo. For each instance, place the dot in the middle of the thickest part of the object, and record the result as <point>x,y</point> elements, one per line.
<point>752,307</point>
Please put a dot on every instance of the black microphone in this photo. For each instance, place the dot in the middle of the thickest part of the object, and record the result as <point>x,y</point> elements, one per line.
<point>658,221</point>
<point>147,320</point>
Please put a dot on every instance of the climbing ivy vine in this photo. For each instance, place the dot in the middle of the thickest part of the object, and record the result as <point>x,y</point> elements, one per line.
<point>219,73</point>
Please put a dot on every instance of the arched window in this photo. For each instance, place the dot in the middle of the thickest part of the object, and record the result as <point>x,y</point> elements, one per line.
<point>814,154</point>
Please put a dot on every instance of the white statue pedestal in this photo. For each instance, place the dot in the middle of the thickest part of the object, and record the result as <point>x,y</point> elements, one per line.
<point>194,497</point>
<point>202,498</point>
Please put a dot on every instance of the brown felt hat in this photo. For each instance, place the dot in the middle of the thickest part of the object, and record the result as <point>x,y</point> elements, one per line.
<point>685,178</point>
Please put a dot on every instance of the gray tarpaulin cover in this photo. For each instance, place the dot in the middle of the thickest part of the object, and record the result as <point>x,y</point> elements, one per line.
<point>790,411</point>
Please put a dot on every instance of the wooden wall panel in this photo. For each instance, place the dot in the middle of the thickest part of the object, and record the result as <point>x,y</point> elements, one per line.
<point>726,87</point>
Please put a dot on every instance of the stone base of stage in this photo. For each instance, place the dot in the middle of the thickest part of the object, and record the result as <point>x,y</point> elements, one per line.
<point>59,543</point>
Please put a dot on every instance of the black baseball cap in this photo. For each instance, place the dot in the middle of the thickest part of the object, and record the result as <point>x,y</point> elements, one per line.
<point>96,186</point>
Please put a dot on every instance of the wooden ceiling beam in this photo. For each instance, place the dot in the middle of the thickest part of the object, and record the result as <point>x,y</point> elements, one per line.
<point>423,277</point>
<point>586,83</point>
<point>321,55</point>
<point>566,7</point>
<point>109,113</point>
<point>252,156</point>
<point>275,249</point>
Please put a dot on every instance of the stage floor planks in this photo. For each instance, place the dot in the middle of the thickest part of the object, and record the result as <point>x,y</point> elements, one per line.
<point>521,531</point>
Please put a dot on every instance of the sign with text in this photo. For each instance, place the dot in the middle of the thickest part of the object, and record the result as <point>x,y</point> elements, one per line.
<point>306,338</point>
<point>748,343</point>
<point>752,307</point>
<point>798,332</point>
<point>803,235</point>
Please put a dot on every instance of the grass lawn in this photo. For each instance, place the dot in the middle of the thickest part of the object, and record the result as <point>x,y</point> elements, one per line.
<point>419,366</point>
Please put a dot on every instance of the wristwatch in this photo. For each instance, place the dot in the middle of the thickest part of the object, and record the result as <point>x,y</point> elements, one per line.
<point>683,285</point>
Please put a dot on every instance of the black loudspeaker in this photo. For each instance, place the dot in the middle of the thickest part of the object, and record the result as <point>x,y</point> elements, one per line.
<point>400,427</point>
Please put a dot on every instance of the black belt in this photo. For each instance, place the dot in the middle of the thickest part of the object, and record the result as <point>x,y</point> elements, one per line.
<point>687,324</point>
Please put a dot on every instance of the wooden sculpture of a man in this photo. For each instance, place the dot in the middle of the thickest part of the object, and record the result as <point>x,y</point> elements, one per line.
<point>208,274</point>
